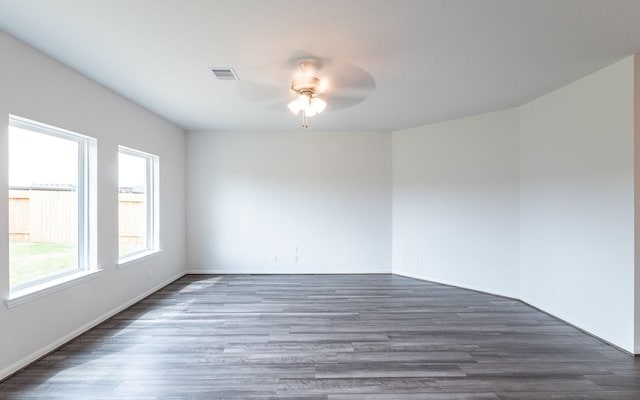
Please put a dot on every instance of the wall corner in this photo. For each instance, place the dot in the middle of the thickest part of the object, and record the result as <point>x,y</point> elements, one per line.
<point>636,193</point>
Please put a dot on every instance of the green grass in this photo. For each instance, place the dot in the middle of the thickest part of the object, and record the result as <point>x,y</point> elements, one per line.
<point>31,261</point>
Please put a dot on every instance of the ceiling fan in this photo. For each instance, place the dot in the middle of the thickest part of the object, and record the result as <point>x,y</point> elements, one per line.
<point>307,85</point>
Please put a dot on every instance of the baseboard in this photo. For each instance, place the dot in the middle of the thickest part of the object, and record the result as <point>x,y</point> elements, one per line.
<point>12,369</point>
<point>458,286</point>
<point>286,271</point>
<point>454,284</point>
<point>593,335</point>
<point>15,367</point>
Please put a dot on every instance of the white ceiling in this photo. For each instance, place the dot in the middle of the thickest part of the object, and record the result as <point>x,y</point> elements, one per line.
<point>431,60</point>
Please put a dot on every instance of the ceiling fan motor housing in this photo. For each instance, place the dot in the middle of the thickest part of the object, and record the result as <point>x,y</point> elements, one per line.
<point>309,85</point>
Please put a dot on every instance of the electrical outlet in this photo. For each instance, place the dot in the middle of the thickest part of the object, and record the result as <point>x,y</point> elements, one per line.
<point>150,272</point>
<point>296,259</point>
<point>274,258</point>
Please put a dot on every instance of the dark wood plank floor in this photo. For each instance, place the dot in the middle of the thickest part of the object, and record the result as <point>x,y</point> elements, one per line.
<point>338,337</point>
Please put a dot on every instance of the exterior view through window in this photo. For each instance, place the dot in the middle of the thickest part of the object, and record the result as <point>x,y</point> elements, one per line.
<point>47,202</point>
<point>137,174</point>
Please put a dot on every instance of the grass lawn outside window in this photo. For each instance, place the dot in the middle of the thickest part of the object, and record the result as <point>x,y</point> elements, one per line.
<point>30,261</point>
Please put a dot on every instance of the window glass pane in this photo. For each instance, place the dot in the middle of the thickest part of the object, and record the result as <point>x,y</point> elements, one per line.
<point>43,205</point>
<point>132,204</point>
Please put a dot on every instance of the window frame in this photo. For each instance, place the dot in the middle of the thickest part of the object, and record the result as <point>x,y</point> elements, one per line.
<point>84,256</point>
<point>152,235</point>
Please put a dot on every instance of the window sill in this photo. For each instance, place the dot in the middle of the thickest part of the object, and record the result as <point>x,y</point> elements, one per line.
<point>137,258</point>
<point>55,285</point>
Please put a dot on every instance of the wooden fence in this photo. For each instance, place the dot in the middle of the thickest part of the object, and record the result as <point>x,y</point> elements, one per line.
<point>133,220</point>
<point>50,216</point>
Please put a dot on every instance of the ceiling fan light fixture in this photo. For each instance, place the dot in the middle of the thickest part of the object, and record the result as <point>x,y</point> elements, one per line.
<point>301,103</point>
<point>308,87</point>
<point>308,104</point>
<point>318,105</point>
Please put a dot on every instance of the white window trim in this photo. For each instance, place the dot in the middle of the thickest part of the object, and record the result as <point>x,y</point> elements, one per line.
<point>33,292</point>
<point>86,211</point>
<point>137,258</point>
<point>153,214</point>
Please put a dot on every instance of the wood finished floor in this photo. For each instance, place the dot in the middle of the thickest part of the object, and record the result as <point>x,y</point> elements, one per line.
<point>338,337</point>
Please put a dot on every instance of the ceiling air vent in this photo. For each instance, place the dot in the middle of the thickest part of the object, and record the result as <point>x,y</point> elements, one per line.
<point>225,74</point>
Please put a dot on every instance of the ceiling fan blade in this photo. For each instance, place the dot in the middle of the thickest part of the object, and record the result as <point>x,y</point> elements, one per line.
<point>344,76</point>
<point>336,101</point>
<point>343,85</point>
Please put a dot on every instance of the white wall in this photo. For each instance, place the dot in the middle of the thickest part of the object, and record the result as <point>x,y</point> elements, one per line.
<point>577,203</point>
<point>564,242</point>
<point>255,196</point>
<point>455,202</point>
<point>36,87</point>
<point>636,137</point>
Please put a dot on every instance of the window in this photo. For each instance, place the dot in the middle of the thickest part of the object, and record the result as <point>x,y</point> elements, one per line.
<point>137,203</point>
<point>48,203</point>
